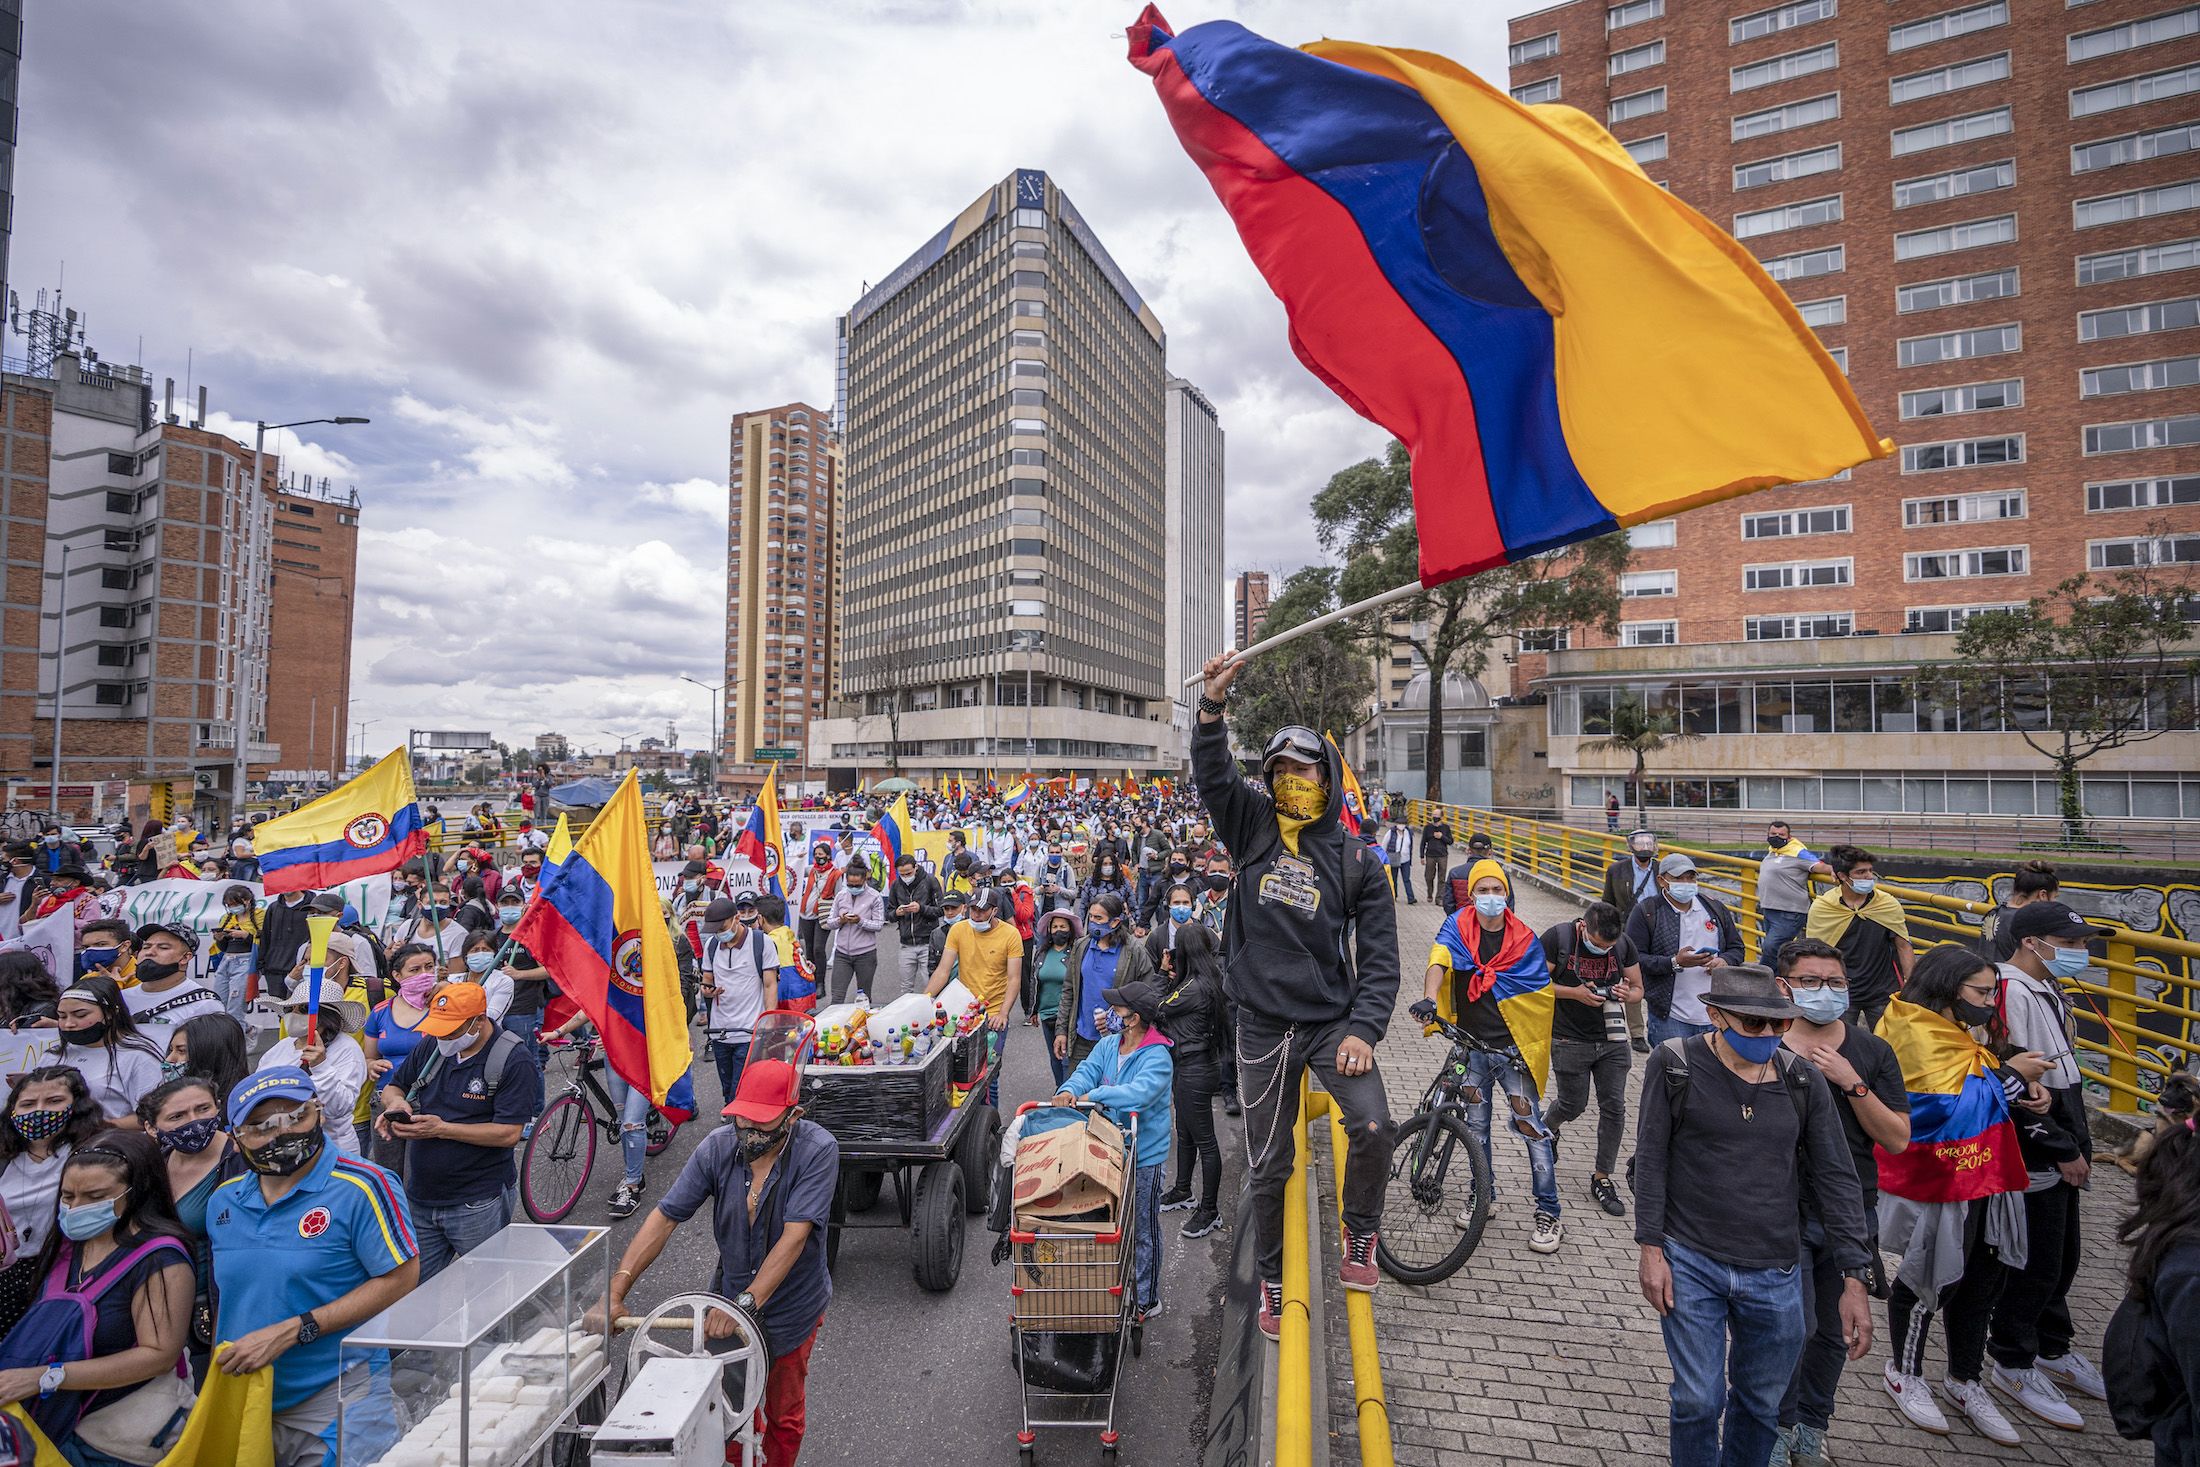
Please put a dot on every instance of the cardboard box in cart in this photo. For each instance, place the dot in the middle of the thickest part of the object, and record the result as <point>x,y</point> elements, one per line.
<point>1070,1190</point>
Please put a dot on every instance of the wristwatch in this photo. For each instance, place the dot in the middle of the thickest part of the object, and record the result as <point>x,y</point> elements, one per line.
<point>1860,1275</point>
<point>309,1328</point>
<point>746,1300</point>
<point>50,1382</point>
<point>1857,1091</point>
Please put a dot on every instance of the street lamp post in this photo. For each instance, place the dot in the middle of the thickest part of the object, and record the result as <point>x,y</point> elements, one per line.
<point>60,683</point>
<point>239,683</point>
<point>717,725</point>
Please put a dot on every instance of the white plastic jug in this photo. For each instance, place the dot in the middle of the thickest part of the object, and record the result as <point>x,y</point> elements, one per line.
<point>957,1000</point>
<point>912,1009</point>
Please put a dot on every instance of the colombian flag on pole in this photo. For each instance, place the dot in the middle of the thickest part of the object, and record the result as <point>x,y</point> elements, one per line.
<point>1963,1142</point>
<point>1355,803</point>
<point>597,926</point>
<point>561,841</point>
<point>1564,347</point>
<point>759,839</point>
<point>893,831</point>
<point>1018,792</point>
<point>369,825</point>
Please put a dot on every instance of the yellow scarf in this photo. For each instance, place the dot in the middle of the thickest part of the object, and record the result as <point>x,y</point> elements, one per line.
<point>1830,917</point>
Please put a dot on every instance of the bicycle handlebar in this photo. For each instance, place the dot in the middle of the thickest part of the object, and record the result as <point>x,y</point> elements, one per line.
<point>1455,1034</point>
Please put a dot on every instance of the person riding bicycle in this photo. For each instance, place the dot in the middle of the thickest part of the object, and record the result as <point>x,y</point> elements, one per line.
<point>1499,986</point>
<point>1311,954</point>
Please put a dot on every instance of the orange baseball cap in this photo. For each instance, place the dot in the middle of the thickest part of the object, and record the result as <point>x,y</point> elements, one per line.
<point>453,1006</point>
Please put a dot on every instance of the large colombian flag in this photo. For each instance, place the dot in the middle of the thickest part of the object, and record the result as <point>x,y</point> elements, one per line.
<point>760,840</point>
<point>597,926</point>
<point>893,831</point>
<point>1564,346</point>
<point>1963,1142</point>
<point>366,826</point>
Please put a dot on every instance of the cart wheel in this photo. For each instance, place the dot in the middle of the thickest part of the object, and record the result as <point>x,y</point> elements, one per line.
<point>1024,1456</point>
<point>859,1190</point>
<point>1107,1446</point>
<point>936,1227</point>
<point>1138,1340</point>
<point>978,1154</point>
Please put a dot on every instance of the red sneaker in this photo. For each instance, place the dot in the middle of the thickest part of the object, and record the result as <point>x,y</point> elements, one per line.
<point>1271,1310</point>
<point>1357,1270</point>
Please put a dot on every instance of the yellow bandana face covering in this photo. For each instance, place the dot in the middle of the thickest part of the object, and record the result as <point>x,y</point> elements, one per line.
<point>1298,798</point>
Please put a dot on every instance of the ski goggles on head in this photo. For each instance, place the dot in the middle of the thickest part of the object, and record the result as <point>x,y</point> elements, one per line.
<point>1293,742</point>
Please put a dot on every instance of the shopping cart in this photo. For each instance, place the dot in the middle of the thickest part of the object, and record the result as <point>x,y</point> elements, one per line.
<point>1074,1310</point>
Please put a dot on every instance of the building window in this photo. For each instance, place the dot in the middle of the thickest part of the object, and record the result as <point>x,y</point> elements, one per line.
<point>1972,397</point>
<point>1796,575</point>
<point>1547,639</point>
<point>1951,565</point>
<point>2132,91</point>
<point>111,695</point>
<point>1779,18</point>
<point>1964,509</point>
<point>1951,346</point>
<point>1797,628</point>
<point>1528,94</point>
<point>1634,585</point>
<point>1647,150</point>
<point>1947,618</point>
<point>2135,147</point>
<point>1972,234</point>
<point>1807,263</point>
<point>1765,73</point>
<point>2151,376</point>
<point>1031,219</point>
<point>2150,550</point>
<point>1632,12</point>
<point>2163,493</point>
<point>114,657</point>
<point>1635,58</point>
<point>2140,203</point>
<point>1947,25</point>
<point>1636,104</point>
<point>1649,633</point>
<point>1962,453</point>
<point>1954,77</point>
<point>1832,311</point>
<point>1788,165</point>
<point>2182,431</point>
<point>1840,355</point>
<point>114,616</point>
<point>1926,136</point>
<point>1535,48</point>
<point>2170,25</point>
<point>1786,117</point>
<point>1957,183</point>
<point>1027,425</point>
<point>1956,290</point>
<point>1800,215</point>
<point>1831,519</point>
<point>114,578</point>
<point>2140,320</point>
<point>1653,535</point>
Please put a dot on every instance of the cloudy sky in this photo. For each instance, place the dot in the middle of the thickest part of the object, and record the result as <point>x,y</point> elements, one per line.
<point>551,247</point>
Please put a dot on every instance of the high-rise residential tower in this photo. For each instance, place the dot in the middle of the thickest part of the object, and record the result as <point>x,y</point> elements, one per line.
<point>1003,399</point>
<point>1195,560</point>
<point>1248,607</point>
<point>315,584</point>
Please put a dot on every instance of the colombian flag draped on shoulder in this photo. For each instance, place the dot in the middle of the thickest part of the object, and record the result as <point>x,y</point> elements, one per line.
<point>597,926</point>
<point>365,827</point>
<point>1564,347</point>
<point>759,840</point>
<point>1963,1141</point>
<point>1520,976</point>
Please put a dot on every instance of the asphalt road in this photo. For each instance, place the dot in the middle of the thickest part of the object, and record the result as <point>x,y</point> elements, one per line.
<point>905,1378</point>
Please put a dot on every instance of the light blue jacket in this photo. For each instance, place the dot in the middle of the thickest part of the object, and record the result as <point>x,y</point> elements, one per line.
<point>1137,1083</point>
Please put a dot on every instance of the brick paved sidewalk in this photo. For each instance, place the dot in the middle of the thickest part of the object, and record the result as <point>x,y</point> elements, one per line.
<point>1521,1358</point>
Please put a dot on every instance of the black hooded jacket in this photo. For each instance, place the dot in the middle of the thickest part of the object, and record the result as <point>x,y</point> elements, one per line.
<point>1283,961</point>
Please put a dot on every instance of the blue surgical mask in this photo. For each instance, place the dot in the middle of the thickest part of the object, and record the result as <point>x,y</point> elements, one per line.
<point>1683,892</point>
<point>480,962</point>
<point>1490,903</point>
<point>1180,911</point>
<point>2068,962</point>
<point>96,957</point>
<point>81,1224</point>
<point>1822,1005</point>
<point>1593,949</point>
<point>1863,885</point>
<point>1758,1049</point>
<point>1099,927</point>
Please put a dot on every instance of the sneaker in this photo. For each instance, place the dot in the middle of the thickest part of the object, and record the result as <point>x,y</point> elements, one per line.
<point>1357,1270</point>
<point>1202,1222</point>
<point>1808,1448</point>
<point>1151,1311</point>
<point>1782,1445</point>
<point>2032,1390</point>
<point>1549,1233</point>
<point>1230,1106</point>
<point>627,1200</point>
<point>1915,1398</point>
<point>1977,1403</point>
<point>1607,1196</point>
<point>1641,1046</point>
<point>2075,1371</point>
<point>1176,1199</point>
<point>1271,1310</point>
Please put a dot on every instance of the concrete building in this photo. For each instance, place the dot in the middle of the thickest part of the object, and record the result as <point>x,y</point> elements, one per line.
<point>552,748</point>
<point>782,547</point>
<point>1194,569</point>
<point>1248,607</point>
<point>26,456</point>
<point>315,591</point>
<point>11,66</point>
<point>1003,395</point>
<point>1990,225</point>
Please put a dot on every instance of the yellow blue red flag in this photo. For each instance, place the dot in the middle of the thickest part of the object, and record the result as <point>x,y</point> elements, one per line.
<point>1519,976</point>
<point>1963,1139</point>
<point>1355,803</point>
<point>894,831</point>
<point>368,825</point>
<point>1018,792</point>
<point>598,927</point>
<point>561,841</point>
<point>759,839</point>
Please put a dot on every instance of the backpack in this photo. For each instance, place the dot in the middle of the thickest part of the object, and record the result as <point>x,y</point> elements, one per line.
<point>2140,1392</point>
<point>500,1055</point>
<point>59,1326</point>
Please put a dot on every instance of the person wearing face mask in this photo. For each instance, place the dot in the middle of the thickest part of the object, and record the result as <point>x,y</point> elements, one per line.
<point>67,889</point>
<point>392,1033</point>
<point>460,1104</point>
<point>1435,854</point>
<point>769,1179</point>
<point>913,901</point>
<point>99,1037</point>
<point>1681,939</point>
<point>18,891</point>
<point>988,956</point>
<point>1868,927</point>
<point>1133,1073</point>
<point>1594,975</point>
<point>335,1059</point>
<point>815,887</point>
<point>306,1249</point>
<point>1107,956</point>
<point>477,963</point>
<point>1107,879</point>
<point>104,948</point>
<point>283,937</point>
<point>165,993</point>
<point>212,1047</point>
<point>2032,1332</point>
<point>49,1113</point>
<point>1058,933</point>
<point>740,981</point>
<point>1196,1021</point>
<point>532,986</point>
<point>1733,1134</point>
<point>236,946</point>
<point>1177,907</point>
<point>855,918</point>
<point>1633,877</point>
<point>954,908</point>
<point>185,1119</point>
<point>1783,888</point>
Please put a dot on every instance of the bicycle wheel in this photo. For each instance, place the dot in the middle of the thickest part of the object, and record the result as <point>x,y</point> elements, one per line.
<point>560,1153</point>
<point>1437,1201</point>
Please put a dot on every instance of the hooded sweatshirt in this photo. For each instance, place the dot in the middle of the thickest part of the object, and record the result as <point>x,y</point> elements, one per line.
<point>1284,935</point>
<point>1137,1084</point>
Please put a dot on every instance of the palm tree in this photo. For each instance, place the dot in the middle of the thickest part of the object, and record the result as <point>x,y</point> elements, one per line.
<point>1632,729</point>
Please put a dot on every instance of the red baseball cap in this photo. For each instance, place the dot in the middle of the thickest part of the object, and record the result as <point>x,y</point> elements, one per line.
<point>768,1087</point>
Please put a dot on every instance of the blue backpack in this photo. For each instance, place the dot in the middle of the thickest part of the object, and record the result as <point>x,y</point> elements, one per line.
<point>59,1326</point>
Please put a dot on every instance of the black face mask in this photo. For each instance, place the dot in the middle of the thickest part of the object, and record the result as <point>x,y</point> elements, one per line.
<point>1975,1014</point>
<point>756,1143</point>
<point>1058,938</point>
<point>285,1155</point>
<point>89,1036</point>
<point>149,972</point>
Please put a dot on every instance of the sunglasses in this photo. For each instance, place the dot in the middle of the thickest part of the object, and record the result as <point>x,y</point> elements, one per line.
<point>1751,1024</point>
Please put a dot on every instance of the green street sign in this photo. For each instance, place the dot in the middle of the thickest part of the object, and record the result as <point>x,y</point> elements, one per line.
<point>767,754</point>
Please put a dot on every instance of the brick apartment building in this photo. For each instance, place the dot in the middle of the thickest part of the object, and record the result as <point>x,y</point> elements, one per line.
<point>315,579</point>
<point>1995,227</point>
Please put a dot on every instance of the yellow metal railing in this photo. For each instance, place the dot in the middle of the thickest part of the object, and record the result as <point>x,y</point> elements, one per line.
<point>1574,860</point>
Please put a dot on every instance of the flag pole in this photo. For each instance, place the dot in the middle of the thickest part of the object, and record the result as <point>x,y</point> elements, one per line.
<point>1331,618</point>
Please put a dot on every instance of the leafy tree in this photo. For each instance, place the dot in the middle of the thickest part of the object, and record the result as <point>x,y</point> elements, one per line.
<point>1322,680</point>
<point>1633,730</point>
<point>1365,514</point>
<point>2094,665</point>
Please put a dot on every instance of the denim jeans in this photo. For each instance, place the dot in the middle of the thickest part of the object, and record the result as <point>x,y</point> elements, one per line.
<point>1664,1029</point>
<point>997,1043</point>
<point>229,977</point>
<point>730,1054</point>
<point>1401,880</point>
<point>1733,1337</point>
<point>1780,927</point>
<point>1060,1067</point>
<point>633,1122</point>
<point>1494,1073</point>
<point>459,1227</point>
<point>1147,1229</point>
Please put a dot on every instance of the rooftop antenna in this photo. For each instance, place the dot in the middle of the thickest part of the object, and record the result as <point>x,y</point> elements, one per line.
<point>49,330</point>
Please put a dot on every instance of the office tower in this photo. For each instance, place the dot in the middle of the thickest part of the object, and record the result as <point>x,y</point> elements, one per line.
<point>1248,607</point>
<point>11,67</point>
<point>782,539</point>
<point>315,581</point>
<point>1195,560</point>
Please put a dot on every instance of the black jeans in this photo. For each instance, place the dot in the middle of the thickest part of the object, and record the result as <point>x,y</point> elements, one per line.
<point>1193,1103</point>
<point>1809,1398</point>
<point>1576,1062</point>
<point>1271,1056</point>
<point>1965,1305</point>
<point>2033,1317</point>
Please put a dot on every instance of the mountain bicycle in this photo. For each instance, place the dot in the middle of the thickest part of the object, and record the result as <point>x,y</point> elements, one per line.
<point>560,1150</point>
<point>1433,1213</point>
